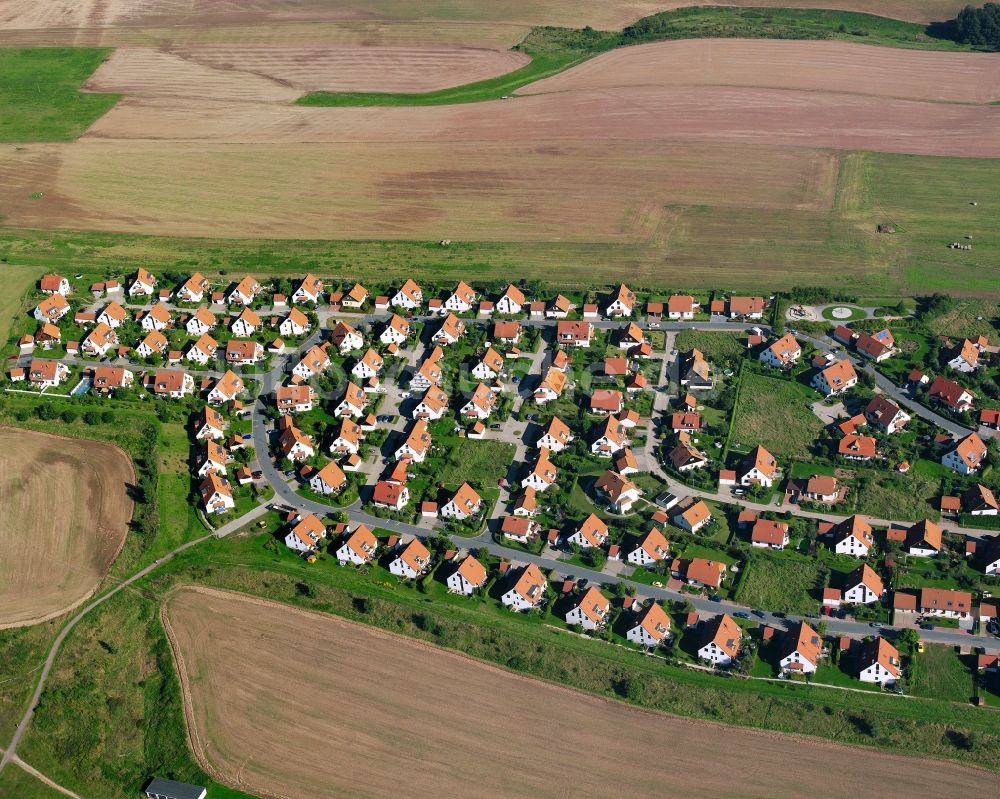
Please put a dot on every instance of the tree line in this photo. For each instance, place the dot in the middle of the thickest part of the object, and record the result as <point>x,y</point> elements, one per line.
<point>978,26</point>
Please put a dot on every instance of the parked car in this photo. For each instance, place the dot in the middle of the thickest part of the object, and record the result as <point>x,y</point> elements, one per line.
<point>759,613</point>
<point>741,614</point>
<point>715,598</point>
<point>496,426</point>
<point>926,626</point>
<point>875,624</point>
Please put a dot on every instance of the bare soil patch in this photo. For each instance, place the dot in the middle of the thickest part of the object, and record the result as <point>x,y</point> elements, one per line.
<point>263,682</point>
<point>806,66</point>
<point>65,515</point>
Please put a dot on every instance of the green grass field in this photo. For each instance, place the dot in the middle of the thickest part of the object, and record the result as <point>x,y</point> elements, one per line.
<point>16,782</point>
<point>774,412</point>
<point>481,463</point>
<point>553,49</point>
<point>718,348</point>
<point>40,93</point>
<point>940,674</point>
<point>780,583</point>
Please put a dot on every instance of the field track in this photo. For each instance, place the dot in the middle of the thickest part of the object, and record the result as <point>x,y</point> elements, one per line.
<point>263,683</point>
<point>66,513</point>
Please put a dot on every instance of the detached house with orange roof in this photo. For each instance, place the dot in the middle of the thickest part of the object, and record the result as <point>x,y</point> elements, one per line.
<point>355,298</point>
<point>352,403</point>
<point>604,401</point>
<point>200,322</point>
<point>782,353</point>
<point>759,466</point>
<point>461,299</point>
<point>345,338</point>
<point>48,336</point>
<point>358,548</point>
<point>699,571</point>
<point>314,362</point>
<point>511,302</point>
<point>681,306</point>
<point>528,591</point>
<point>490,366</point>
<point>857,448</point>
<point>879,662</point>
<point>226,388</point>
<point>966,358</point>
<point>556,436</point>
<point>885,415</point>
<point>542,474</point>
<point>451,330</point>
<point>467,578</point>
<point>967,456</point>
<point>309,290</point>
<point>618,491</point>
<point>294,399</point>
<point>801,648</point>
<point>835,379</point>
<point>412,562</point>
<point>852,537</point>
<point>212,458</point>
<point>551,387</point>
<point>433,405</point>
<point>590,611</point>
<point>924,539</point>
<point>113,315</point>
<point>651,549</point>
<point>143,284</point>
<point>328,480</point>
<point>99,340</point>
<point>306,535</point>
<point>481,404</point>
<point>109,378</point>
<point>876,346</point>
<point>47,374</point>
<point>243,353</point>
<point>52,308</point>
<point>767,534</point>
<point>980,501</point>
<point>417,443</point>
<point>156,318</point>
<point>347,439</point>
<point>696,373</point>
<point>294,324</point>
<point>210,424</point>
<point>396,331</point>
<point>692,517</point>
<point>368,366</point>
<point>612,437</point>
<point>54,284</point>
<point>863,586</point>
<point>246,324</point>
<point>193,289</point>
<point>620,303</point>
<point>390,495</point>
<point>154,343</point>
<point>559,308</point>
<point>746,307</point>
<point>173,384</point>
<point>245,292</point>
<point>591,534</point>
<point>216,494</point>
<point>720,640</point>
<point>464,504</point>
<point>409,296</point>
<point>574,333</point>
<point>519,528</point>
<point>652,627</point>
<point>294,444</point>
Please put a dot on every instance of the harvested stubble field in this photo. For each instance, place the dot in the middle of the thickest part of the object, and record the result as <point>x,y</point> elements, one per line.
<point>281,74</point>
<point>273,676</point>
<point>55,550</point>
<point>797,65</point>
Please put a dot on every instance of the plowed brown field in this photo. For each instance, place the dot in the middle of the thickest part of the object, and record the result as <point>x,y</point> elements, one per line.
<point>286,703</point>
<point>65,515</point>
<point>807,66</point>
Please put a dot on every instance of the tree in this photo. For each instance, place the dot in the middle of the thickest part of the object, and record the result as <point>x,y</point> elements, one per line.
<point>46,411</point>
<point>908,639</point>
<point>69,415</point>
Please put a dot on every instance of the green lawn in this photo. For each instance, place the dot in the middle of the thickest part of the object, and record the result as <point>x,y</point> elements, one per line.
<point>779,582</point>
<point>553,49</point>
<point>481,463</point>
<point>774,412</point>
<point>968,318</point>
<point>889,495</point>
<point>856,313</point>
<point>16,782</point>
<point>939,673</point>
<point>40,93</point>
<point>718,348</point>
